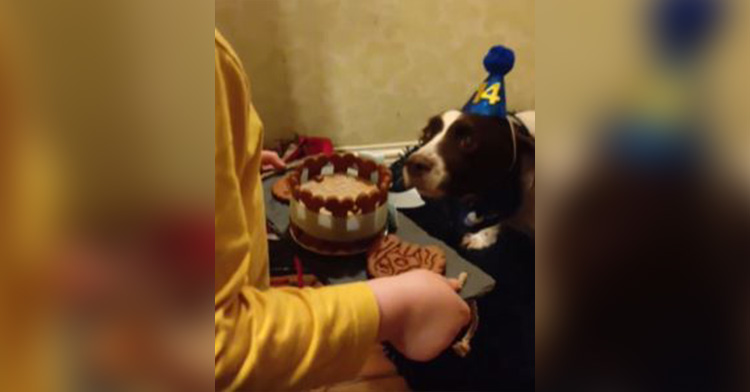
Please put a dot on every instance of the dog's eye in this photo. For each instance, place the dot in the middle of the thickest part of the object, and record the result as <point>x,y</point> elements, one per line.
<point>462,132</point>
<point>467,143</point>
<point>464,136</point>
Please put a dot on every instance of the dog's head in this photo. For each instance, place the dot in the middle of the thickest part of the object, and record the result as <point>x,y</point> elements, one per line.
<point>465,155</point>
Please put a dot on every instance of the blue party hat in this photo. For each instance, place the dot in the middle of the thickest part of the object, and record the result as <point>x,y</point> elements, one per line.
<point>489,98</point>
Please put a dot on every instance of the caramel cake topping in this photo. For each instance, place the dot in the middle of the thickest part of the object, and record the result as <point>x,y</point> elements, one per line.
<point>339,185</point>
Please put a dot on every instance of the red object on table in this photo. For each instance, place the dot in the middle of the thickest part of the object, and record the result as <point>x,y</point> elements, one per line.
<point>309,146</point>
<point>300,272</point>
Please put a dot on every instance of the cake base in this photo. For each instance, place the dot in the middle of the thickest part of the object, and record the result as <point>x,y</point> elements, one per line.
<point>331,248</point>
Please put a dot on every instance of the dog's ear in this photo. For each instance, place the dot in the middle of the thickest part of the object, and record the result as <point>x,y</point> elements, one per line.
<point>527,160</point>
<point>526,143</point>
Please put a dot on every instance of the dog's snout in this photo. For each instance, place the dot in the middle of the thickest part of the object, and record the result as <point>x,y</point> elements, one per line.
<point>419,165</point>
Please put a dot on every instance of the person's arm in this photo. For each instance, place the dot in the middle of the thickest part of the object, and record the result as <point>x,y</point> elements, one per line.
<point>294,339</point>
<point>298,339</point>
<point>279,339</point>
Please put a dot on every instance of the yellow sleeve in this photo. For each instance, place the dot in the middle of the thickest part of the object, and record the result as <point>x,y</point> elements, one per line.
<point>291,339</point>
<point>270,339</point>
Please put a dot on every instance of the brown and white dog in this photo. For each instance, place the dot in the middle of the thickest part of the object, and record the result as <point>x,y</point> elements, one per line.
<point>473,157</point>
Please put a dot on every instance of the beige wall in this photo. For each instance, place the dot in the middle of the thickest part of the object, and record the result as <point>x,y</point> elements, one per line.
<point>373,71</point>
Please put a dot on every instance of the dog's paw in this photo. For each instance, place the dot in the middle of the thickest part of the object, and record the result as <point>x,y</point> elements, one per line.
<point>482,239</point>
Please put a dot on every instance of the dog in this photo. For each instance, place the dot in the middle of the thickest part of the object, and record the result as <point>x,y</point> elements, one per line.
<point>479,160</point>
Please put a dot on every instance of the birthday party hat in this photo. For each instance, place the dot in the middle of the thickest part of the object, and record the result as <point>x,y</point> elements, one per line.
<point>489,97</point>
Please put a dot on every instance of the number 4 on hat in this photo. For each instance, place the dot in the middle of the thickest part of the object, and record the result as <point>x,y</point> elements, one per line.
<point>490,94</point>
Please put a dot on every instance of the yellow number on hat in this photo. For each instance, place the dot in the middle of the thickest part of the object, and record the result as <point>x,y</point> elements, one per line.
<point>480,92</point>
<point>492,94</point>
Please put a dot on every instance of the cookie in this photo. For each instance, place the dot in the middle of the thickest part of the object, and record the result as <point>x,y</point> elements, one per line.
<point>282,190</point>
<point>390,256</point>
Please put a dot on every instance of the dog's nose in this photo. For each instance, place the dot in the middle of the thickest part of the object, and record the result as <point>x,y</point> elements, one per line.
<point>418,165</point>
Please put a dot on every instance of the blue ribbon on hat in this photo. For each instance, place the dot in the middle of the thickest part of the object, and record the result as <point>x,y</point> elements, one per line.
<point>489,97</point>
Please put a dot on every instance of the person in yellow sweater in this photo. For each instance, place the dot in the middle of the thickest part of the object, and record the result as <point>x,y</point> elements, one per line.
<point>291,339</point>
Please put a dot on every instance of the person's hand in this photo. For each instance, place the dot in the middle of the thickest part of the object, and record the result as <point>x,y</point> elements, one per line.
<point>270,160</point>
<point>420,312</point>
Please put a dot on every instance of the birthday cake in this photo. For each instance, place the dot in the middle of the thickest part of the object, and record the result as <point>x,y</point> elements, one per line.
<point>338,204</point>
